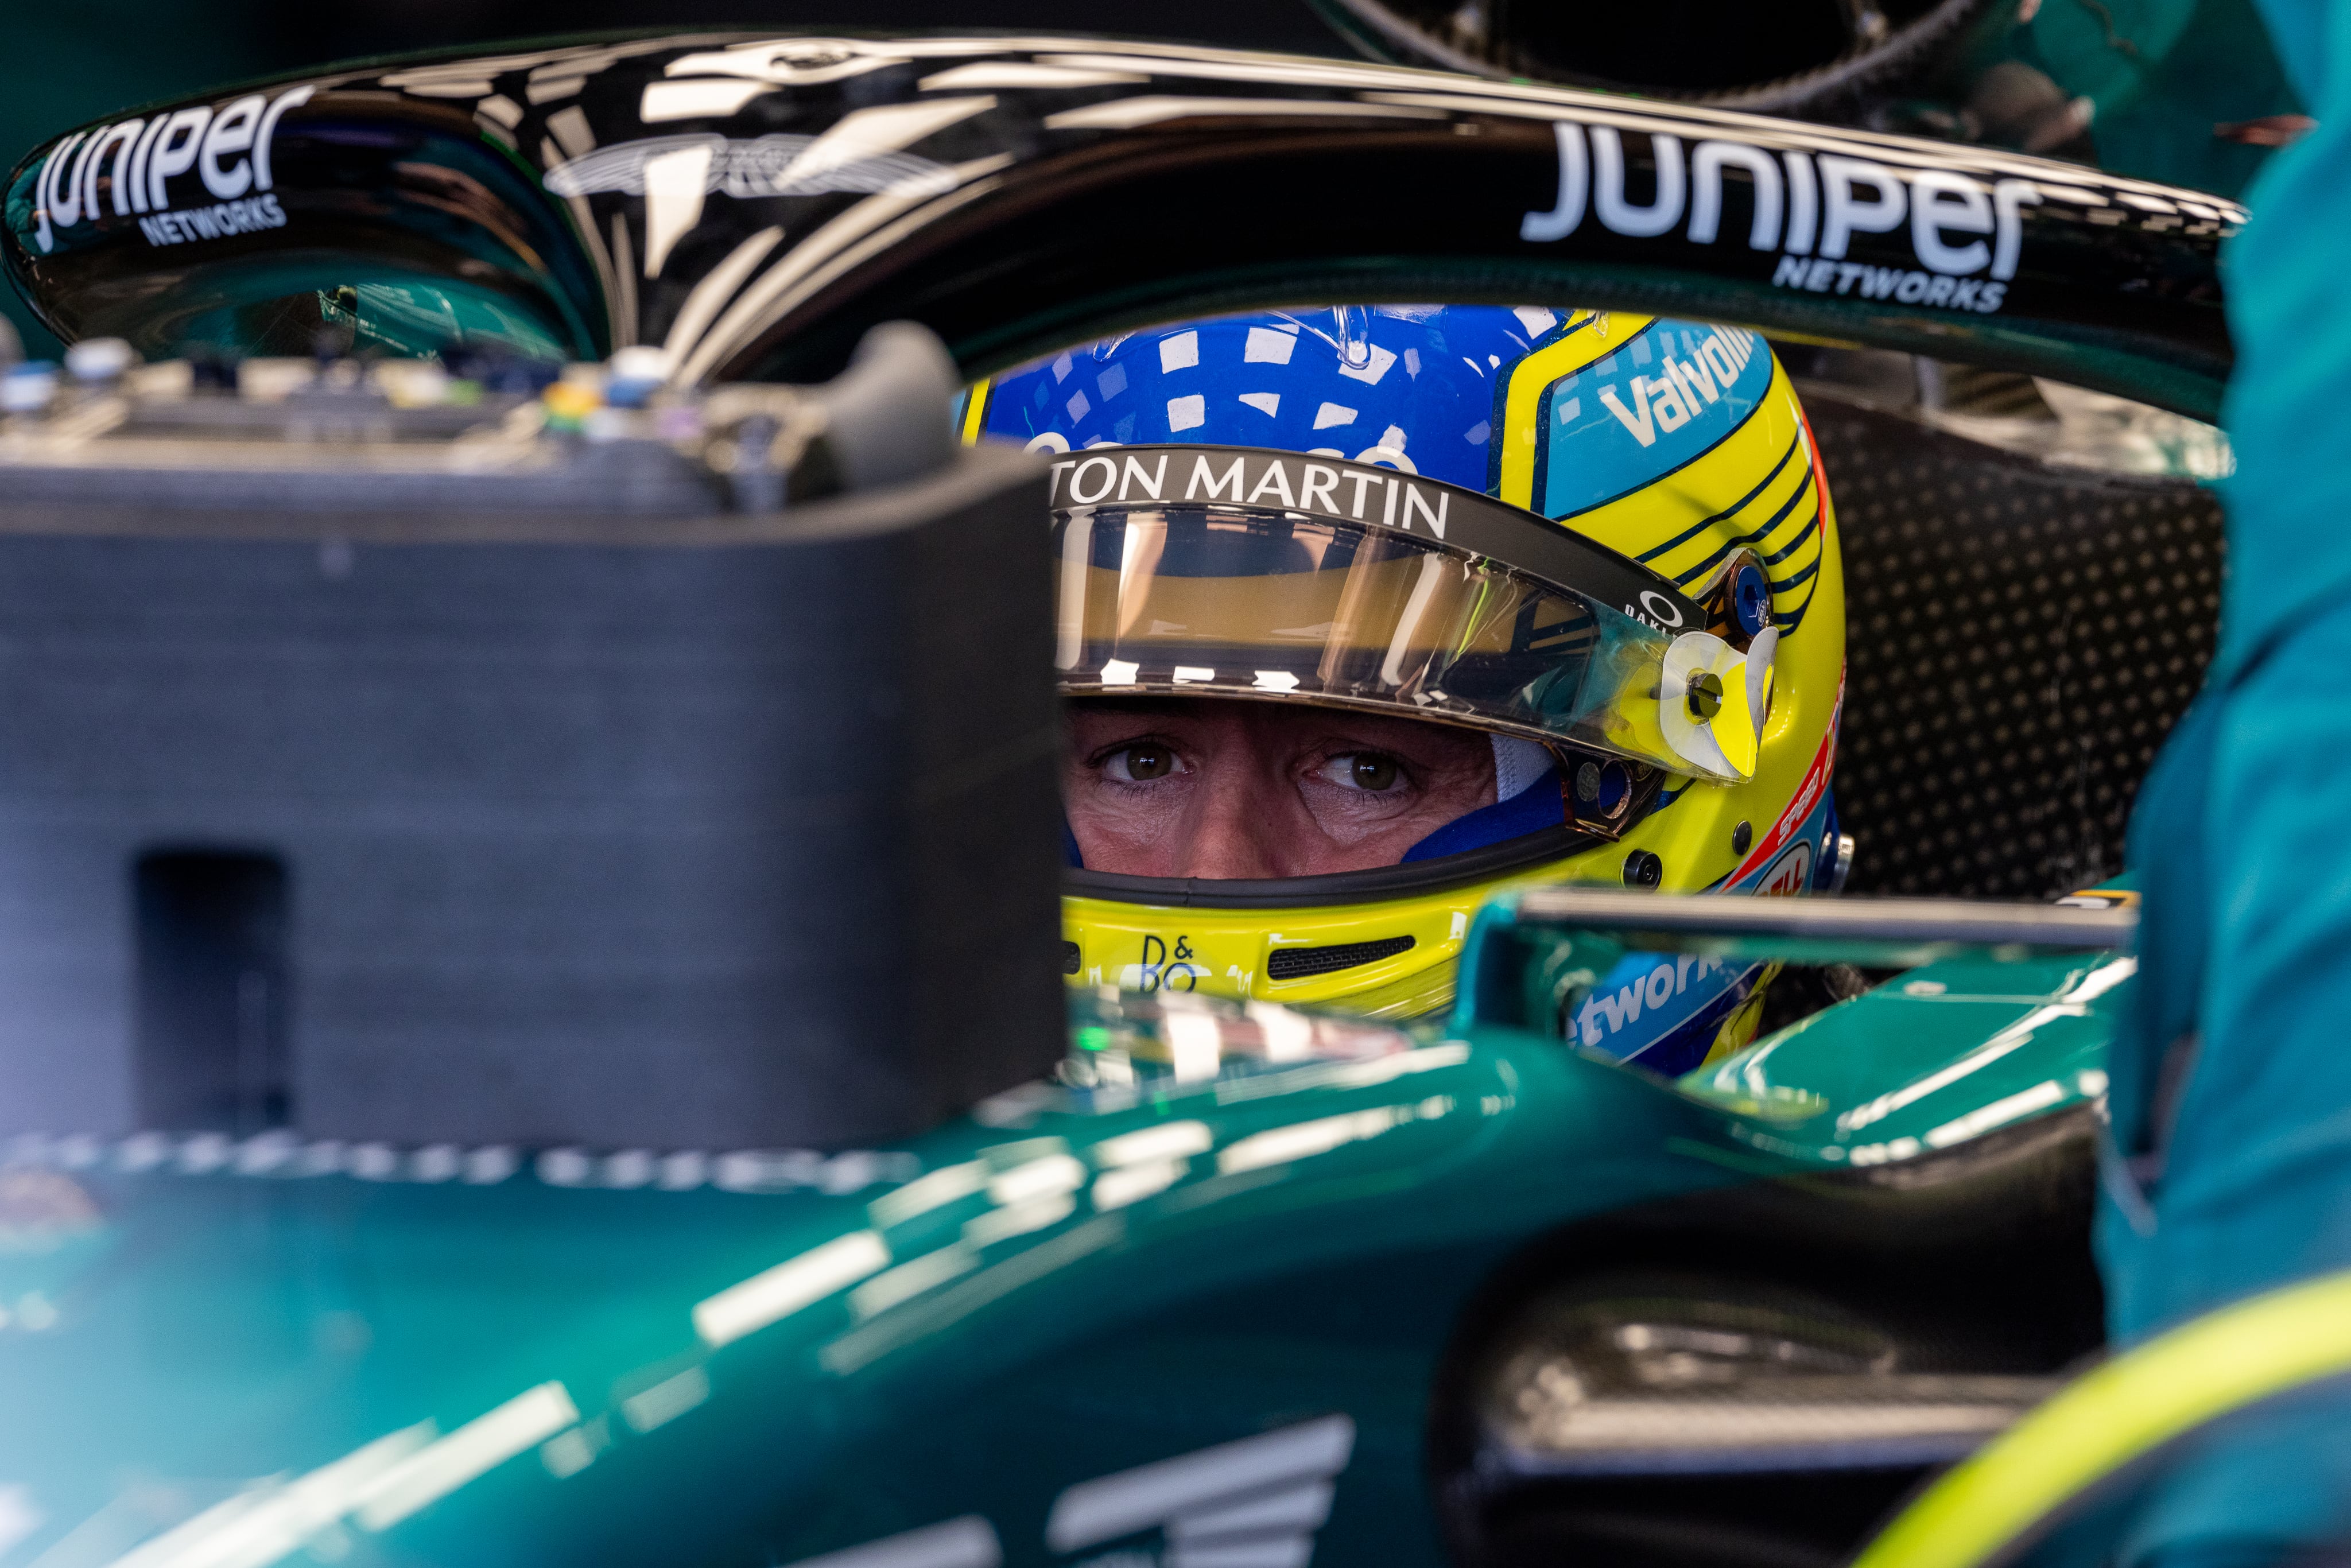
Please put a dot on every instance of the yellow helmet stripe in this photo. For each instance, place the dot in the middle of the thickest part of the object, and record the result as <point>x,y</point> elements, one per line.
<point>1770,537</point>
<point>1779,500</point>
<point>2123,1411</point>
<point>1713,520</point>
<point>974,409</point>
<point>1590,338</point>
<point>1762,538</point>
<point>1809,576</point>
<point>1789,620</point>
<point>1781,518</point>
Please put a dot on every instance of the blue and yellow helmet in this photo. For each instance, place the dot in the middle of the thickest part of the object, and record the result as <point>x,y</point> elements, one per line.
<point>1603,538</point>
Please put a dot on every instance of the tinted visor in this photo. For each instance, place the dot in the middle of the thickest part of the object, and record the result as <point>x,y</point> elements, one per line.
<point>1271,590</point>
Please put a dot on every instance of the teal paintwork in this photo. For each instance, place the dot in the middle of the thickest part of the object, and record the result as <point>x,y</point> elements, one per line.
<point>1945,1053</point>
<point>1224,1221</point>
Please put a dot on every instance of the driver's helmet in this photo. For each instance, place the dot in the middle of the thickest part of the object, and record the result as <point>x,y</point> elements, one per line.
<point>1601,538</point>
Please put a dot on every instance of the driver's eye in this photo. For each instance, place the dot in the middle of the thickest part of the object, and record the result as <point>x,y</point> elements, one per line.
<point>1365,770</point>
<point>1140,763</point>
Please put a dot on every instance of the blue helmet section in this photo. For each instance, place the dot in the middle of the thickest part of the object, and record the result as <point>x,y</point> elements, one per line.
<point>1531,810</point>
<point>1410,387</point>
<point>1420,388</point>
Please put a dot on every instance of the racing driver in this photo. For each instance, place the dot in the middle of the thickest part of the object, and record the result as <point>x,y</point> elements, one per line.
<point>1365,614</point>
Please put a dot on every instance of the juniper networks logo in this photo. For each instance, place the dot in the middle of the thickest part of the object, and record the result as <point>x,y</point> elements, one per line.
<point>141,168</point>
<point>1965,232</point>
<point>1809,208</point>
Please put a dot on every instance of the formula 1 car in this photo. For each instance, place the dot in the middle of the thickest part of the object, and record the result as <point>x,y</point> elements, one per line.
<point>1232,1284</point>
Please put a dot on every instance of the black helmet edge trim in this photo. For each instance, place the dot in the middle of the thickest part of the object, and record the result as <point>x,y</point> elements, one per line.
<point>1525,853</point>
<point>1363,495</point>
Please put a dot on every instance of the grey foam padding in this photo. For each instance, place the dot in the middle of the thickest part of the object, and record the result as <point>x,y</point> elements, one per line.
<point>2020,638</point>
<point>899,366</point>
<point>679,833</point>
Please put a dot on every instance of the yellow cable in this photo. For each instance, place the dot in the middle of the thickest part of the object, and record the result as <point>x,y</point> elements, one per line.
<point>2130,1406</point>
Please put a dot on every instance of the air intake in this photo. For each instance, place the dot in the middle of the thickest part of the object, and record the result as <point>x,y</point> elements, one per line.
<point>1304,963</point>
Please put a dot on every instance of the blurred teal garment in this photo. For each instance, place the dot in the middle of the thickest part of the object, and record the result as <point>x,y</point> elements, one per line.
<point>2243,1177</point>
<point>2231,1092</point>
<point>2290,552</point>
<point>2156,78</point>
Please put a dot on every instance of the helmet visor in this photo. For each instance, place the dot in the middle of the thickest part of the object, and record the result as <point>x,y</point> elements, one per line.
<point>1408,609</point>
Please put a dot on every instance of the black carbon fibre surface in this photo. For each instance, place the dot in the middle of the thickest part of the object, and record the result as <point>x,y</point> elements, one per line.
<point>2021,637</point>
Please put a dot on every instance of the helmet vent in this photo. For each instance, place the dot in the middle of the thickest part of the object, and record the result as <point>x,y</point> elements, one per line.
<point>1299,963</point>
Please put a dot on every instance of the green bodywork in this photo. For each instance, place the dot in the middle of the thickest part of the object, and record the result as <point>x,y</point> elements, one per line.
<point>1214,1227</point>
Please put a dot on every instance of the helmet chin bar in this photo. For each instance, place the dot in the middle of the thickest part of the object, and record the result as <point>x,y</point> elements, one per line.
<point>751,205</point>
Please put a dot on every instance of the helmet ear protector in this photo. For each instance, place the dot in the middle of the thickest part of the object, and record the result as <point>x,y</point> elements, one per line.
<point>1603,796</point>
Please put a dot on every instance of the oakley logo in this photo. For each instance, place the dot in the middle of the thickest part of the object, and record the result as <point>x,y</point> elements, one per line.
<point>130,169</point>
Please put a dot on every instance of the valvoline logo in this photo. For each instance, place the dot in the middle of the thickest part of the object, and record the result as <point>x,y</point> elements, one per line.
<point>1666,397</point>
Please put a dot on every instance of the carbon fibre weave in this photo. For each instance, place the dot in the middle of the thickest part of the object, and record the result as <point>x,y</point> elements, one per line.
<point>2021,638</point>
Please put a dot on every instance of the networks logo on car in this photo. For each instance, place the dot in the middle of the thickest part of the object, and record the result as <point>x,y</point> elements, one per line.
<point>1952,238</point>
<point>139,168</point>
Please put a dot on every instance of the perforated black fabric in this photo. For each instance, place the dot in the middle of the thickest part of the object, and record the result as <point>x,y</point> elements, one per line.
<point>2021,637</point>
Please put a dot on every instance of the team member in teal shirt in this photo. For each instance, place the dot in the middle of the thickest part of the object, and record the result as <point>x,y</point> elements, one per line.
<point>2231,1171</point>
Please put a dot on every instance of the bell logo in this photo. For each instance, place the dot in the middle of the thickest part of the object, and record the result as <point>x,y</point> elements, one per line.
<point>1790,874</point>
<point>1256,1502</point>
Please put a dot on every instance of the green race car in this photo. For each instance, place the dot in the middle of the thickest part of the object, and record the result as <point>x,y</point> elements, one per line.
<point>1232,1285</point>
<point>1241,1285</point>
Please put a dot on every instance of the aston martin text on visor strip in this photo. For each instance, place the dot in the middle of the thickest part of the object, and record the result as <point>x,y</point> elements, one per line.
<point>1332,489</point>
